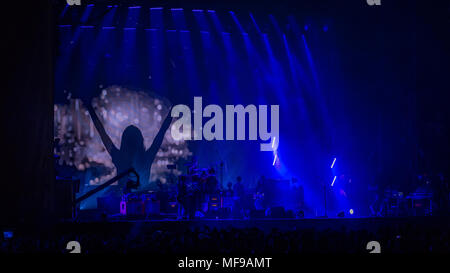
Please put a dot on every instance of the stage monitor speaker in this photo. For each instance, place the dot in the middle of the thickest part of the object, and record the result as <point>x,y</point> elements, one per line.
<point>300,214</point>
<point>109,204</point>
<point>257,214</point>
<point>277,212</point>
<point>152,207</point>
<point>224,213</point>
<point>132,208</point>
<point>289,214</point>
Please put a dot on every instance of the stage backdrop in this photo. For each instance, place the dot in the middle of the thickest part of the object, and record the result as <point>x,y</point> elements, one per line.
<point>133,63</point>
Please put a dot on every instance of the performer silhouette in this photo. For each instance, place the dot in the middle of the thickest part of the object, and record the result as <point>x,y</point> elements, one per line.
<point>132,152</point>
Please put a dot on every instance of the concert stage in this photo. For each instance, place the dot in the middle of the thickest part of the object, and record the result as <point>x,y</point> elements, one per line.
<point>267,224</point>
<point>196,126</point>
<point>248,236</point>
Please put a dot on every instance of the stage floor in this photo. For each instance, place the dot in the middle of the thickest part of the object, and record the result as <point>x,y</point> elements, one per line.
<point>266,224</point>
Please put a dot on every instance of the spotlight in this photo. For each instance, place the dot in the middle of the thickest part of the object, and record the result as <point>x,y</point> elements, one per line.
<point>351,211</point>
<point>341,214</point>
<point>332,164</point>
<point>334,179</point>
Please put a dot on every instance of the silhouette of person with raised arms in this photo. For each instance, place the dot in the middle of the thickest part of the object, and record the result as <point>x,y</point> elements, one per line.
<point>132,152</point>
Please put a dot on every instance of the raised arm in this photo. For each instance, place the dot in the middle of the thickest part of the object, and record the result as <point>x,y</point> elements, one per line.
<point>151,152</point>
<point>109,145</point>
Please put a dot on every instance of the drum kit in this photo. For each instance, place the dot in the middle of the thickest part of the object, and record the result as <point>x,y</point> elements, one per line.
<point>200,179</point>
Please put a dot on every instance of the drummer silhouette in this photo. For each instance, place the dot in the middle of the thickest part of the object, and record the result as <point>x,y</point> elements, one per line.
<point>132,152</point>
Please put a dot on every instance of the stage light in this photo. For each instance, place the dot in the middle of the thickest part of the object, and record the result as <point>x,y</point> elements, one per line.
<point>254,22</point>
<point>274,160</point>
<point>334,179</point>
<point>332,164</point>
<point>63,12</point>
<point>236,20</point>
<point>351,211</point>
<point>86,13</point>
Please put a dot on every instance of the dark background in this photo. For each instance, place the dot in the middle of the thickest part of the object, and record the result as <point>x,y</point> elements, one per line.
<point>408,41</point>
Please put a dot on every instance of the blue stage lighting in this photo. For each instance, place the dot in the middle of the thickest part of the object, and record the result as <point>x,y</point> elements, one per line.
<point>254,22</point>
<point>334,179</point>
<point>86,13</point>
<point>64,11</point>
<point>332,164</point>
